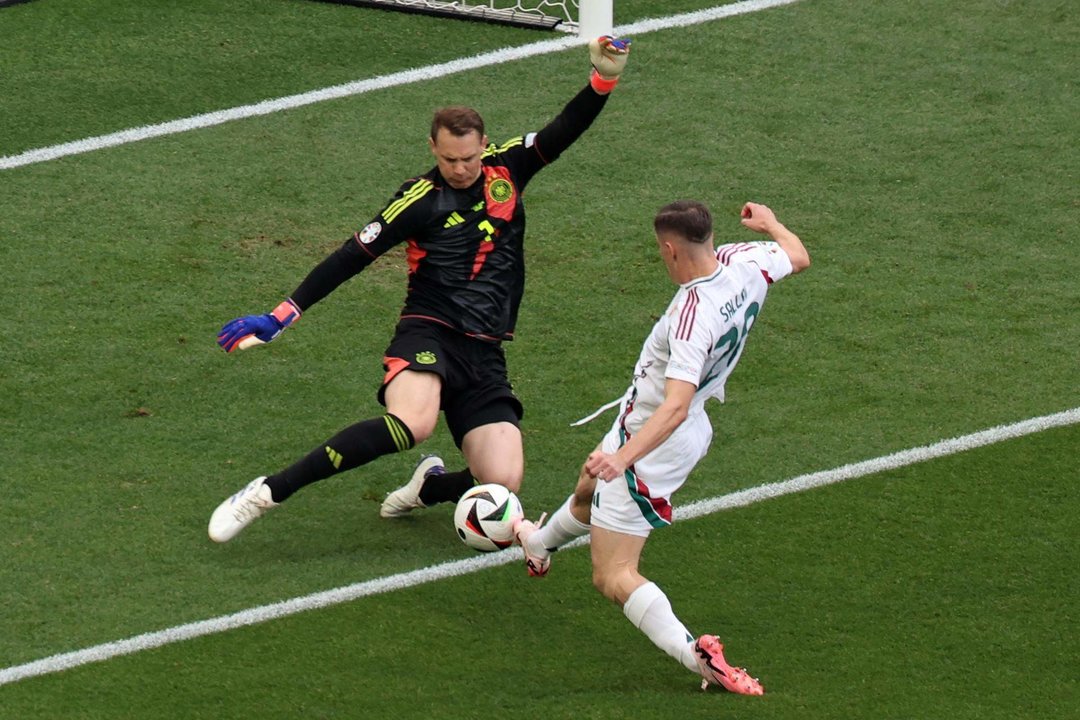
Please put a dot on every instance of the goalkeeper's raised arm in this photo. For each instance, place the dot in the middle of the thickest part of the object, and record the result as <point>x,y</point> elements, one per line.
<point>608,56</point>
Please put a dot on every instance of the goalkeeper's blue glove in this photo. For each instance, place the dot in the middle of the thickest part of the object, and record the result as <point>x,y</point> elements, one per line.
<point>244,332</point>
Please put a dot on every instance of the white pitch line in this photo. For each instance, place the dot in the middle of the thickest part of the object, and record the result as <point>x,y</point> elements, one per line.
<point>401,581</point>
<point>359,87</point>
<point>876,465</point>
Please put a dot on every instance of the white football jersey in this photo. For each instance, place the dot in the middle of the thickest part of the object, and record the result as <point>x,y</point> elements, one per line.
<point>703,332</point>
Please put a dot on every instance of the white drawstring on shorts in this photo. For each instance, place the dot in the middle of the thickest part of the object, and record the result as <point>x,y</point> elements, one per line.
<point>600,410</point>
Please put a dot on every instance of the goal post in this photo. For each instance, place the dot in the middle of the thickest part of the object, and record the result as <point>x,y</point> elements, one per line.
<point>595,18</point>
<point>587,18</point>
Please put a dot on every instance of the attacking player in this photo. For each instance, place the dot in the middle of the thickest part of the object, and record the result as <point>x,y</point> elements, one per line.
<point>463,224</point>
<point>662,431</point>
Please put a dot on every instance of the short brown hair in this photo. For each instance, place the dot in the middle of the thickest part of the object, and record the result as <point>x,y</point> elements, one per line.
<point>688,219</point>
<point>458,120</point>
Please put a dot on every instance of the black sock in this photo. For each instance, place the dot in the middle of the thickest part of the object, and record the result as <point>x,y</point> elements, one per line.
<point>446,487</point>
<point>352,447</point>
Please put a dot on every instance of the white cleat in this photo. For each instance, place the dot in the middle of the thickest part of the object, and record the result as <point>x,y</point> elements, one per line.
<point>407,497</point>
<point>240,510</point>
<point>537,558</point>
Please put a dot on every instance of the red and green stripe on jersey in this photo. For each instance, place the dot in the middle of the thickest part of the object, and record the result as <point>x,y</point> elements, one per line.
<point>726,253</point>
<point>687,316</point>
<point>656,511</point>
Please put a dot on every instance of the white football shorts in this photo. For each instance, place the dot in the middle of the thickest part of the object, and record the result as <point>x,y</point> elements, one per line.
<point>640,501</point>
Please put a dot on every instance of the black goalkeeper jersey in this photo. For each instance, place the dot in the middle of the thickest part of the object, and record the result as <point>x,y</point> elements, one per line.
<point>464,247</point>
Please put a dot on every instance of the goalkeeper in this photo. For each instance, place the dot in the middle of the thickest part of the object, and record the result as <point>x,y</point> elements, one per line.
<point>463,223</point>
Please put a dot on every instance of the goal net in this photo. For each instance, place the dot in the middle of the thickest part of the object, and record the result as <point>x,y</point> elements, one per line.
<point>564,15</point>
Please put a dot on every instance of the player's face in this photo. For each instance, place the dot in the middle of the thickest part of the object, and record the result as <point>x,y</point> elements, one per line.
<point>458,157</point>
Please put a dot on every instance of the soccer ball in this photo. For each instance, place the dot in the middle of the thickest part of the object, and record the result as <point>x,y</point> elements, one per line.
<point>485,517</point>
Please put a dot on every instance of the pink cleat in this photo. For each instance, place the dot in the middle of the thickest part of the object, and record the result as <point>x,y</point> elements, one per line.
<point>536,563</point>
<point>715,670</point>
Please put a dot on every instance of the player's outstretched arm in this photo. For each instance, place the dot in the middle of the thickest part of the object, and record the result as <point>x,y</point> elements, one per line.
<point>608,57</point>
<point>760,218</point>
<point>350,259</point>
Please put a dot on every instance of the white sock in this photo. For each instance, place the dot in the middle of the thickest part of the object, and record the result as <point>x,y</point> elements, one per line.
<point>650,612</point>
<point>561,528</point>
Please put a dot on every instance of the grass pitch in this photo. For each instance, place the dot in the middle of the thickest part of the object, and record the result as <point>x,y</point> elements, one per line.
<point>924,151</point>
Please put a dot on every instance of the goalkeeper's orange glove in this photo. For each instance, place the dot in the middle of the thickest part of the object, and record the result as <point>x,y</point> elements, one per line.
<point>608,55</point>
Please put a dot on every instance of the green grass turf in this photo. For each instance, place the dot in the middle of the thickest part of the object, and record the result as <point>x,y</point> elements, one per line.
<point>925,153</point>
<point>921,592</point>
<point>75,70</point>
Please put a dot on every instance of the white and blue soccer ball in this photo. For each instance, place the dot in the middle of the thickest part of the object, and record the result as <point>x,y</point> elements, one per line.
<point>485,516</point>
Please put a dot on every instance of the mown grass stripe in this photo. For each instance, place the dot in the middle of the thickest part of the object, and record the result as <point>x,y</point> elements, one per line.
<point>360,87</point>
<point>401,581</point>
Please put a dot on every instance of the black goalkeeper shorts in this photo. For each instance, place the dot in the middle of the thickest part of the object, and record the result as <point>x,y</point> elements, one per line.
<point>475,388</point>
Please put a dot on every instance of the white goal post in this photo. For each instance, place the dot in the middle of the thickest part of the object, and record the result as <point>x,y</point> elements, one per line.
<point>587,18</point>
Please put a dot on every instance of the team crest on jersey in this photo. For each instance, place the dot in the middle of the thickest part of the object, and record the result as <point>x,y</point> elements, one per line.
<point>425,357</point>
<point>501,190</point>
<point>369,233</point>
<point>499,193</point>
